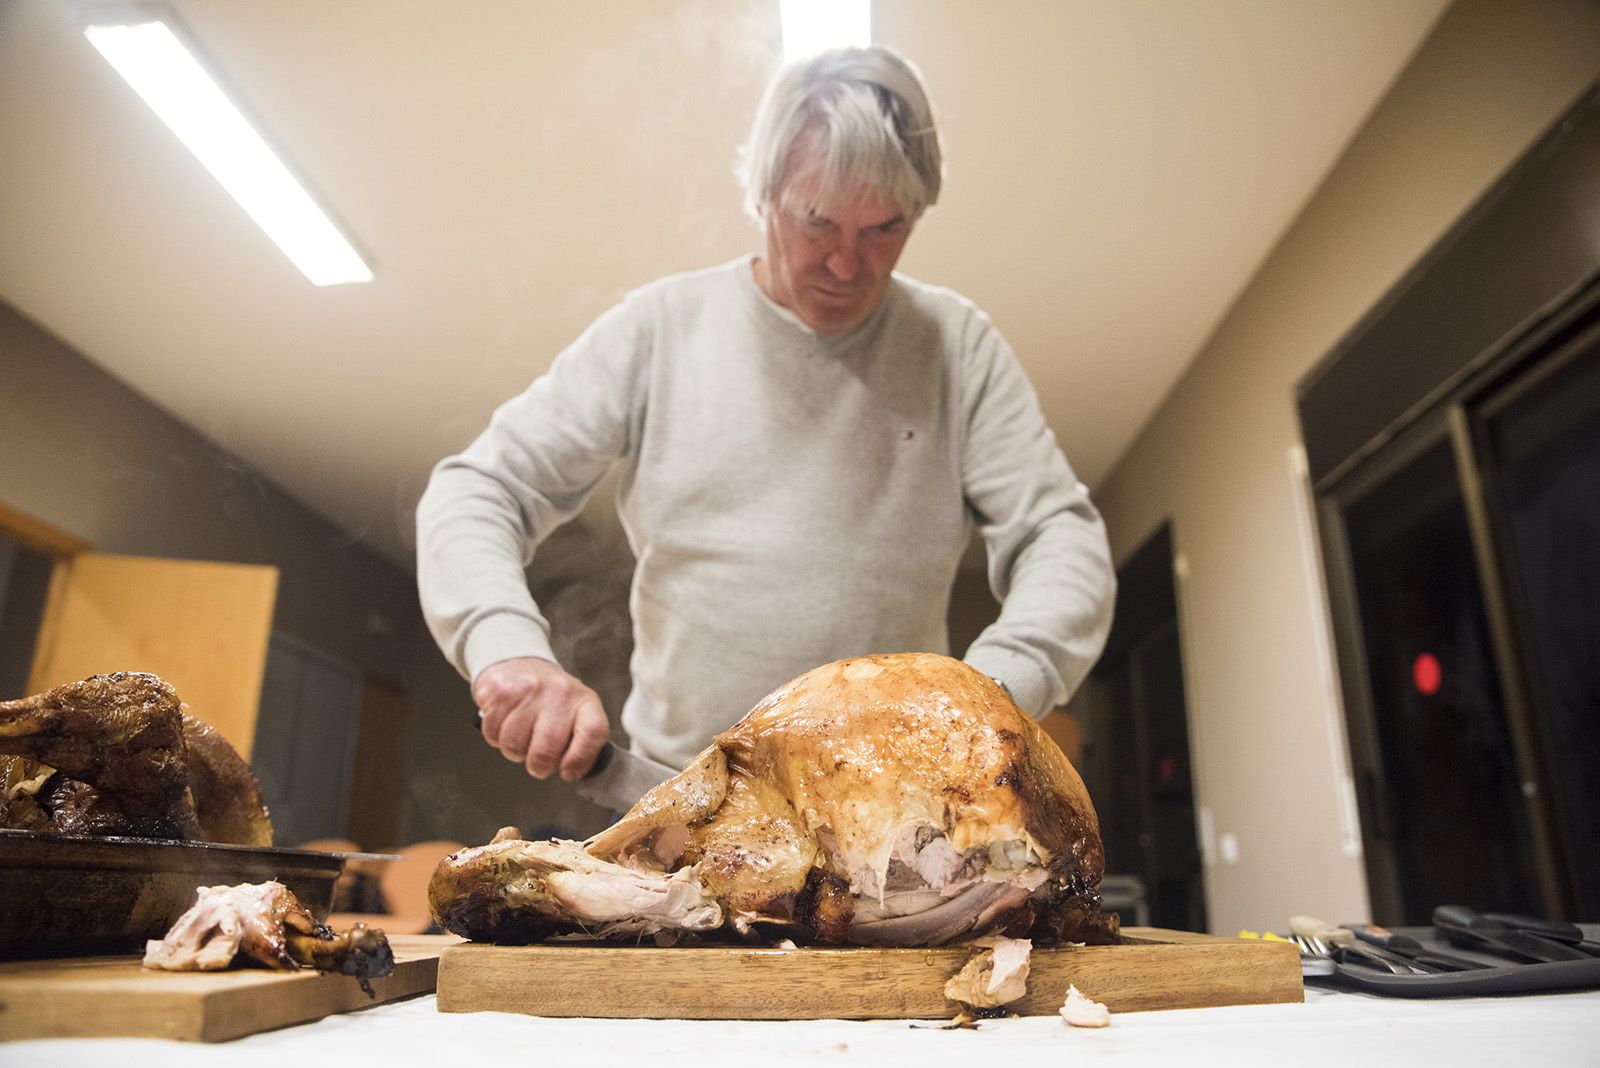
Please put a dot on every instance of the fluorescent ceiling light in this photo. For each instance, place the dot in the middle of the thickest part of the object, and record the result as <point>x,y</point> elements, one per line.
<point>812,26</point>
<point>152,59</point>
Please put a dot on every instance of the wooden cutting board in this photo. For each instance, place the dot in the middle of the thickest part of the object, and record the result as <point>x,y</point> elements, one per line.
<point>99,997</point>
<point>1154,969</point>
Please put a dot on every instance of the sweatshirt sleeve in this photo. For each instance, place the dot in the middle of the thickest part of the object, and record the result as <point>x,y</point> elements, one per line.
<point>1049,562</point>
<point>487,508</point>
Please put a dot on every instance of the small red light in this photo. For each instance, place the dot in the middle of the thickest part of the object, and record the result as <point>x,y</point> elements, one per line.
<point>1427,674</point>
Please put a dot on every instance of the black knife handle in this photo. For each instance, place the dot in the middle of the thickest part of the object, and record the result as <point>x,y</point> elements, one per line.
<point>601,759</point>
<point>1458,921</point>
<point>1556,929</point>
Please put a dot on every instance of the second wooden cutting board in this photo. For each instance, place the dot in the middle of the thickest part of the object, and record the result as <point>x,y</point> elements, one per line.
<point>99,997</point>
<point>1154,969</point>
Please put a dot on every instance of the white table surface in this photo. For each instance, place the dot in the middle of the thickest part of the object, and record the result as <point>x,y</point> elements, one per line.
<point>1333,1027</point>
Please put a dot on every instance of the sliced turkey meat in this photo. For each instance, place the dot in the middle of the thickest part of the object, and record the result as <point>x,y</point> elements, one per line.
<point>996,976</point>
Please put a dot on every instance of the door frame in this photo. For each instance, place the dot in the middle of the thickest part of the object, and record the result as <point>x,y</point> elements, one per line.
<point>34,533</point>
<point>1149,604</point>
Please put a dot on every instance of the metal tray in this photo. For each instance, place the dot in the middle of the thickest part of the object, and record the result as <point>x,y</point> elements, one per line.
<point>1496,977</point>
<point>62,895</point>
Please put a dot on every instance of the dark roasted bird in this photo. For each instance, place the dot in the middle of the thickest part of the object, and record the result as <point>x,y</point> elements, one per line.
<point>887,800</point>
<point>119,755</point>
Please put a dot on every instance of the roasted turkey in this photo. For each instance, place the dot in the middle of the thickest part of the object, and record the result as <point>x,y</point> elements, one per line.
<point>898,800</point>
<point>265,924</point>
<point>119,754</point>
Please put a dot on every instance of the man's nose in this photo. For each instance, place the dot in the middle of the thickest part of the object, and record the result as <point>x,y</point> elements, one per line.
<point>844,259</point>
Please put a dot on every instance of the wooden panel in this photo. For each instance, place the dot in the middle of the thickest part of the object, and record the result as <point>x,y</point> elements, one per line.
<point>201,626</point>
<point>98,997</point>
<point>1156,969</point>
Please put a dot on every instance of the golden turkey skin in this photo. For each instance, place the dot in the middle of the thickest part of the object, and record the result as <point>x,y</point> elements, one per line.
<point>897,800</point>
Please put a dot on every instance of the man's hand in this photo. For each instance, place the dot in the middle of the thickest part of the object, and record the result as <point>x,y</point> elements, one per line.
<point>541,717</point>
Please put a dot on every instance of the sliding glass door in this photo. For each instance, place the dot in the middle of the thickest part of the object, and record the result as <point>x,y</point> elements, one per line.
<point>1465,559</point>
<point>1541,441</point>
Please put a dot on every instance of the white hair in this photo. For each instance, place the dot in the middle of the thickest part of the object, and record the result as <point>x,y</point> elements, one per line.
<point>865,117</point>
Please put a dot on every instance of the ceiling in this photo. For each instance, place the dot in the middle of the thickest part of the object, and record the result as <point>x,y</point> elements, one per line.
<point>1116,172</point>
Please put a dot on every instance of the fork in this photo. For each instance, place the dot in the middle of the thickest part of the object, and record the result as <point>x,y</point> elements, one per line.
<point>1314,959</point>
<point>1314,947</point>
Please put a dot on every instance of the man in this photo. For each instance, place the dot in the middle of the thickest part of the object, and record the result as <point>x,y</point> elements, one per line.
<point>807,440</point>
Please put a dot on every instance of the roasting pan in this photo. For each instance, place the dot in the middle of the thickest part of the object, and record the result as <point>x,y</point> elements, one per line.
<point>63,895</point>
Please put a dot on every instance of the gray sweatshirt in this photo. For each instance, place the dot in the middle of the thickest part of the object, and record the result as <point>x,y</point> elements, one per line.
<point>790,498</point>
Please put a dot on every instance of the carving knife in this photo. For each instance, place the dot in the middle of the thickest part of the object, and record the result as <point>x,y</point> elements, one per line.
<point>619,778</point>
<point>1411,949</point>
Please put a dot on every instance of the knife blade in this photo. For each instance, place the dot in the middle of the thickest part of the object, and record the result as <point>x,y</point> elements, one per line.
<point>1462,925</point>
<point>619,778</point>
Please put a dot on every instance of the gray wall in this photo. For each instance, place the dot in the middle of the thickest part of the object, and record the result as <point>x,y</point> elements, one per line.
<point>24,585</point>
<point>86,454</point>
<point>81,451</point>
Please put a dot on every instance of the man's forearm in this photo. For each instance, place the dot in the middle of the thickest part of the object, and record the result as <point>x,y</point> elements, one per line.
<point>470,578</point>
<point>1058,592</point>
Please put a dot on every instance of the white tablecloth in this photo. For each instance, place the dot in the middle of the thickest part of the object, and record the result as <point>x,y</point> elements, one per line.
<point>1332,1027</point>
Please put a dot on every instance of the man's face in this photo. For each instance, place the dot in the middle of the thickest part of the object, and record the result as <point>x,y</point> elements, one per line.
<point>832,268</point>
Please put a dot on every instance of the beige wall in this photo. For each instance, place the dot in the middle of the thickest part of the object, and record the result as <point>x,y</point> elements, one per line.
<point>1270,755</point>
